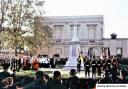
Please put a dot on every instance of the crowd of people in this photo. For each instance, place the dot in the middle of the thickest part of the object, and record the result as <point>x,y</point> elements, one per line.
<point>43,81</point>
<point>30,62</point>
<point>108,66</point>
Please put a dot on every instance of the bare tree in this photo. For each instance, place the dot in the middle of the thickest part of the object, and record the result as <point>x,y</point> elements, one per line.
<point>3,9</point>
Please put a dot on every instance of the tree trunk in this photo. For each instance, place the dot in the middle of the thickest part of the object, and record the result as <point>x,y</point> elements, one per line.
<point>16,52</point>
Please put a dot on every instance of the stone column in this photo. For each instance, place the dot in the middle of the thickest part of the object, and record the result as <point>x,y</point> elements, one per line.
<point>84,29</point>
<point>98,32</point>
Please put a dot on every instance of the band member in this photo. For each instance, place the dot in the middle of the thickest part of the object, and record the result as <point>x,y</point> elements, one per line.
<point>108,63</point>
<point>26,63</point>
<point>40,60</point>
<point>84,60</point>
<point>53,62</point>
<point>35,64</point>
<point>13,62</point>
<point>93,64</point>
<point>99,67</point>
<point>19,65</point>
<point>87,68</point>
<point>115,66</point>
<point>78,64</point>
<point>47,62</point>
<point>104,64</point>
<point>115,63</point>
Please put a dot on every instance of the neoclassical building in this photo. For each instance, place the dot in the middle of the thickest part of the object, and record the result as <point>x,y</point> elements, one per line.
<point>90,32</point>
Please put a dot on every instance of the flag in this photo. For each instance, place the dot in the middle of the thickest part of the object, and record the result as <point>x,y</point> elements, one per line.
<point>90,53</point>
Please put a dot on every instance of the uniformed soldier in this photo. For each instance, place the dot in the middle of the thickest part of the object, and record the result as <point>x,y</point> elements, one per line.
<point>84,61</point>
<point>87,68</point>
<point>13,63</point>
<point>115,66</point>
<point>99,67</point>
<point>93,64</point>
<point>104,64</point>
<point>78,64</point>
<point>19,65</point>
<point>108,63</point>
<point>53,62</point>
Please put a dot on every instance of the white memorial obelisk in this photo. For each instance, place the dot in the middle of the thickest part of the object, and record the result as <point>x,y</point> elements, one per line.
<point>74,50</point>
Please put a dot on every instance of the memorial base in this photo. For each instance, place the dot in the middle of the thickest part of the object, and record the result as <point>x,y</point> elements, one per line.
<point>72,64</point>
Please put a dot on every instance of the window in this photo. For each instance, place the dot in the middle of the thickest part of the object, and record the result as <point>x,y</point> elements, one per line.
<point>58,32</point>
<point>79,32</point>
<point>58,51</point>
<point>91,32</point>
<point>119,51</point>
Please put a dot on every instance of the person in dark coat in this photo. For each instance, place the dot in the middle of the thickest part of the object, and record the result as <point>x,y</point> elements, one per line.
<point>4,74</point>
<point>73,81</point>
<point>56,82</point>
<point>87,69</point>
<point>13,63</point>
<point>78,64</point>
<point>93,64</point>
<point>109,63</point>
<point>53,62</point>
<point>19,65</point>
<point>39,83</point>
<point>104,64</point>
<point>123,75</point>
<point>107,78</point>
<point>99,67</point>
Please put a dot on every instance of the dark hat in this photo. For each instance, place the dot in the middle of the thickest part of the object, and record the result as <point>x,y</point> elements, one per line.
<point>124,73</point>
<point>39,74</point>
<point>56,74</point>
<point>107,72</point>
<point>46,76</point>
<point>5,66</point>
<point>72,71</point>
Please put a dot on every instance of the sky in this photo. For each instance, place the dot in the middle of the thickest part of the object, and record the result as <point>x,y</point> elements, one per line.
<point>115,12</point>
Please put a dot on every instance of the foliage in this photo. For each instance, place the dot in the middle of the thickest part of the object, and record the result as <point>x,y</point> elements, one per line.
<point>23,24</point>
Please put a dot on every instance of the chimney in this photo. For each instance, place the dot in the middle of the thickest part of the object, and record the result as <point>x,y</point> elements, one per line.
<point>113,35</point>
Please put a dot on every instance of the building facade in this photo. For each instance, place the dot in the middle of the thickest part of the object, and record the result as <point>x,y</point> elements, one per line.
<point>90,32</point>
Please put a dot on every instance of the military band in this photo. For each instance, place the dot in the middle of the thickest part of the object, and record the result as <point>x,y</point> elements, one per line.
<point>97,66</point>
<point>94,66</point>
